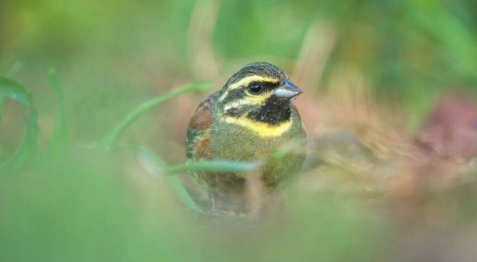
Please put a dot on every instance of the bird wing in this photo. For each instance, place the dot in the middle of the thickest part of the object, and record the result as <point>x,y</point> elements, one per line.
<point>198,141</point>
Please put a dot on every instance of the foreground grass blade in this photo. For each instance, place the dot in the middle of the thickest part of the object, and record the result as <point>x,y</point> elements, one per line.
<point>148,106</point>
<point>195,166</point>
<point>211,166</point>
<point>14,90</point>
<point>11,89</point>
<point>60,133</point>
<point>174,181</point>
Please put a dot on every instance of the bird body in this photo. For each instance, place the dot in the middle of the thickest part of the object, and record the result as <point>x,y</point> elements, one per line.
<point>248,120</point>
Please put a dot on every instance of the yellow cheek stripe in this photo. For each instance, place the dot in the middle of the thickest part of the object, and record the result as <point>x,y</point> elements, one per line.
<point>258,100</point>
<point>247,80</point>
<point>261,129</point>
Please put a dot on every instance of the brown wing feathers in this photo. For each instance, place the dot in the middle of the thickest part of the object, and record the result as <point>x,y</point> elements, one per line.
<point>198,146</point>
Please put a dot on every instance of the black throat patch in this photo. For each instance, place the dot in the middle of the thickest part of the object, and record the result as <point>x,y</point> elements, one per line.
<point>274,111</point>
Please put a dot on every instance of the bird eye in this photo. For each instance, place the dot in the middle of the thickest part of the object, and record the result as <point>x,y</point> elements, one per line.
<point>255,88</point>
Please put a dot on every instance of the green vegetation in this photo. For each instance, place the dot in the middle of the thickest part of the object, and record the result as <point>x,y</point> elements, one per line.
<point>75,176</point>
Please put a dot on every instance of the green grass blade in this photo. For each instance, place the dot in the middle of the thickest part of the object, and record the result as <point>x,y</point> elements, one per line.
<point>60,133</point>
<point>14,90</point>
<point>174,181</point>
<point>148,106</point>
<point>211,166</point>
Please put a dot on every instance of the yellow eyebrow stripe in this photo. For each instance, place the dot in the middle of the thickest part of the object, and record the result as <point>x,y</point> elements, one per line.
<point>247,80</point>
<point>261,129</point>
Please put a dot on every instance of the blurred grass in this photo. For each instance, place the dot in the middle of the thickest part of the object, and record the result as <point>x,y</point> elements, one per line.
<point>60,133</point>
<point>63,199</point>
<point>14,90</point>
<point>148,106</point>
<point>81,210</point>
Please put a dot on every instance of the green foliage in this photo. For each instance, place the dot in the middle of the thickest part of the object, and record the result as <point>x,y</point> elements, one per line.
<point>60,133</point>
<point>148,106</point>
<point>162,169</point>
<point>78,206</point>
<point>14,90</point>
<point>66,198</point>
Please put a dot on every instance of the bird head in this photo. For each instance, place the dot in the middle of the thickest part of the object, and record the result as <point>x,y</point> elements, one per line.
<point>259,92</point>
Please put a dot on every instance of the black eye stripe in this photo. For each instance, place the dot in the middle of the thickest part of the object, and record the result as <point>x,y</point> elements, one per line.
<point>266,86</point>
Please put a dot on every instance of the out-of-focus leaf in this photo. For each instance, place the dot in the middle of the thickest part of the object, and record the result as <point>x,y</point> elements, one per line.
<point>14,90</point>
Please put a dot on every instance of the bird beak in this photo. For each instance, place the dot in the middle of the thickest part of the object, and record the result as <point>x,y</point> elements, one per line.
<point>287,90</point>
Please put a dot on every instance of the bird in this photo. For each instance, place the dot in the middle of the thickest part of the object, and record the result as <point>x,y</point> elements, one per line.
<point>248,119</point>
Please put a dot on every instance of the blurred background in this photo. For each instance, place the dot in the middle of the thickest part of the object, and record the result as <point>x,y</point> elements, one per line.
<point>389,108</point>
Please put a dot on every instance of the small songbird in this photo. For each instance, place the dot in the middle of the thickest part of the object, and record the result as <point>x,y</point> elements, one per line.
<point>249,119</point>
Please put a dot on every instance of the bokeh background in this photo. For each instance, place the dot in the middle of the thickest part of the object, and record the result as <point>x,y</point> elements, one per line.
<point>373,73</point>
